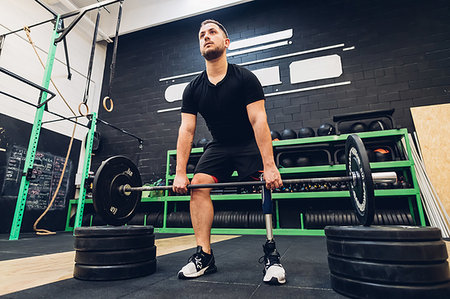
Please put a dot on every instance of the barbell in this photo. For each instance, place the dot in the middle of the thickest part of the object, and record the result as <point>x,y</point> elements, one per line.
<point>117,185</point>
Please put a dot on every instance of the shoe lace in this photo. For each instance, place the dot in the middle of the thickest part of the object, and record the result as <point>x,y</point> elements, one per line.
<point>273,259</point>
<point>195,257</point>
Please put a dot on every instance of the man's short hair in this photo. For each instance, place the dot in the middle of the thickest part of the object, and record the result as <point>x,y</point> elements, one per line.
<point>217,23</point>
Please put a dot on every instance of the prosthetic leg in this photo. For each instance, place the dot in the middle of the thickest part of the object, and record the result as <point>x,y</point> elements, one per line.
<point>273,270</point>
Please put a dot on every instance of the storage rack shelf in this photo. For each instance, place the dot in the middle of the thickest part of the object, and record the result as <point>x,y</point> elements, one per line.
<point>412,194</point>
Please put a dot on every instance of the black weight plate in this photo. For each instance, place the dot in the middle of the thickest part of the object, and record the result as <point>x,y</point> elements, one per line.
<point>138,219</point>
<point>397,215</point>
<point>340,218</point>
<point>390,273</point>
<point>170,221</point>
<point>392,233</point>
<point>328,216</point>
<point>410,219</point>
<point>262,222</point>
<point>114,272</point>
<point>115,207</point>
<point>105,231</point>
<point>389,218</point>
<point>431,251</point>
<point>119,257</point>
<point>361,189</point>
<point>245,219</point>
<point>361,289</point>
<point>380,219</point>
<point>113,243</point>
<point>404,219</point>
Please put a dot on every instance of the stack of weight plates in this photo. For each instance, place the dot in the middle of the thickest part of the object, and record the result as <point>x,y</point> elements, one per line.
<point>388,261</point>
<point>114,252</point>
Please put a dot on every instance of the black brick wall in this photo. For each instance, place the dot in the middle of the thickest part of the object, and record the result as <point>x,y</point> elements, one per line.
<point>401,59</point>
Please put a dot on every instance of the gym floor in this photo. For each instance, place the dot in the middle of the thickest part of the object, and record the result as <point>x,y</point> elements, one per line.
<point>42,267</point>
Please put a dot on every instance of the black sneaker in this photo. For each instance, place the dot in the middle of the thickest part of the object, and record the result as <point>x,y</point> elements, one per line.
<point>199,263</point>
<point>273,270</point>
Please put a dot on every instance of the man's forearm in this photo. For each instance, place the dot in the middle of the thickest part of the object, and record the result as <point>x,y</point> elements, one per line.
<point>184,145</point>
<point>264,141</point>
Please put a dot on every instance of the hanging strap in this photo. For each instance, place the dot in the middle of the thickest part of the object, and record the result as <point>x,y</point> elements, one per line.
<point>91,62</point>
<point>112,67</point>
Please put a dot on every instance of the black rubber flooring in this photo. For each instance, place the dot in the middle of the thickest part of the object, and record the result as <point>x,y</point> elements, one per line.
<point>239,273</point>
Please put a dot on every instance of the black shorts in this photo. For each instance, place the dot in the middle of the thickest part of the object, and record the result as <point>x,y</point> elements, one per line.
<point>220,160</point>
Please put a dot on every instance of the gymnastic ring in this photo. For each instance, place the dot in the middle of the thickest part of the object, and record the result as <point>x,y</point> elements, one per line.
<point>85,105</point>
<point>105,106</point>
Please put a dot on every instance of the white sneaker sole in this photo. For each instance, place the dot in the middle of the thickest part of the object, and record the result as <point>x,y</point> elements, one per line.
<point>275,281</point>
<point>203,271</point>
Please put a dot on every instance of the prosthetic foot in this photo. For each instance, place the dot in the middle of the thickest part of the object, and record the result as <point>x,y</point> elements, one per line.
<point>273,270</point>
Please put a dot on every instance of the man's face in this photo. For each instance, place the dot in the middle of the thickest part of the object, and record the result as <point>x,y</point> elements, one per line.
<point>212,41</point>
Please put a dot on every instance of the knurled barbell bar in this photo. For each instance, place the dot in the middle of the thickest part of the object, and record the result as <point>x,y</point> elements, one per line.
<point>117,185</point>
<point>379,177</point>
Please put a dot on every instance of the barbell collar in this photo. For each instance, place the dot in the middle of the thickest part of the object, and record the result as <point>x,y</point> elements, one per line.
<point>384,177</point>
<point>380,177</point>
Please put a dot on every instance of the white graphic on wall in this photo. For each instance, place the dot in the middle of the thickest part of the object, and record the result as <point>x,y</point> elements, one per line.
<point>317,68</point>
<point>267,76</point>
<point>300,71</point>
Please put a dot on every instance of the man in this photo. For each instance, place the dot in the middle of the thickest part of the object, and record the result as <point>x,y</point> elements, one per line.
<point>231,100</point>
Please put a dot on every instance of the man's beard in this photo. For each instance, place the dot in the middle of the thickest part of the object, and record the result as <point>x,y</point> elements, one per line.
<point>211,54</point>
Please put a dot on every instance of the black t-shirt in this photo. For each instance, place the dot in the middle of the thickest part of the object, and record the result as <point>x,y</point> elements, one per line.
<point>223,106</point>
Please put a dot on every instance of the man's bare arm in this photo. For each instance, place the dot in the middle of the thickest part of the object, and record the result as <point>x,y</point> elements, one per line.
<point>258,119</point>
<point>184,144</point>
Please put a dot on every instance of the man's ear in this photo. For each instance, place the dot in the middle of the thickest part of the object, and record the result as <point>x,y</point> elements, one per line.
<point>227,42</point>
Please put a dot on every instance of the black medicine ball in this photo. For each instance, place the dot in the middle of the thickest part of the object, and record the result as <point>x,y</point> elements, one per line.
<point>358,127</point>
<point>190,168</point>
<point>326,129</point>
<point>275,135</point>
<point>377,125</point>
<point>202,142</point>
<point>287,162</point>
<point>302,161</point>
<point>288,134</point>
<point>341,158</point>
<point>306,132</point>
<point>382,154</point>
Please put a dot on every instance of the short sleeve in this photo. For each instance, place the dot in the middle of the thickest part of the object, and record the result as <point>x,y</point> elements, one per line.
<point>253,89</point>
<point>189,104</point>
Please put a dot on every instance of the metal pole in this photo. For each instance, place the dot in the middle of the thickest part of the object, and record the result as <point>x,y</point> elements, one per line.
<point>390,177</point>
<point>32,146</point>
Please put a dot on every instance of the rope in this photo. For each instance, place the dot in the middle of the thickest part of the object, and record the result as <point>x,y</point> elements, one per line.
<point>41,231</point>
<point>28,32</point>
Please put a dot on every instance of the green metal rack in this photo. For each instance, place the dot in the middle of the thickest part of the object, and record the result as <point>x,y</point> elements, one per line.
<point>413,193</point>
<point>323,170</point>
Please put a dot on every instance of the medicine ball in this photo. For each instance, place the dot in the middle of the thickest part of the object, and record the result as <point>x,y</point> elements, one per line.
<point>377,125</point>
<point>302,161</point>
<point>287,162</point>
<point>306,132</point>
<point>288,134</point>
<point>190,168</point>
<point>275,135</point>
<point>358,127</point>
<point>341,158</point>
<point>382,154</point>
<point>326,129</point>
<point>202,142</point>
